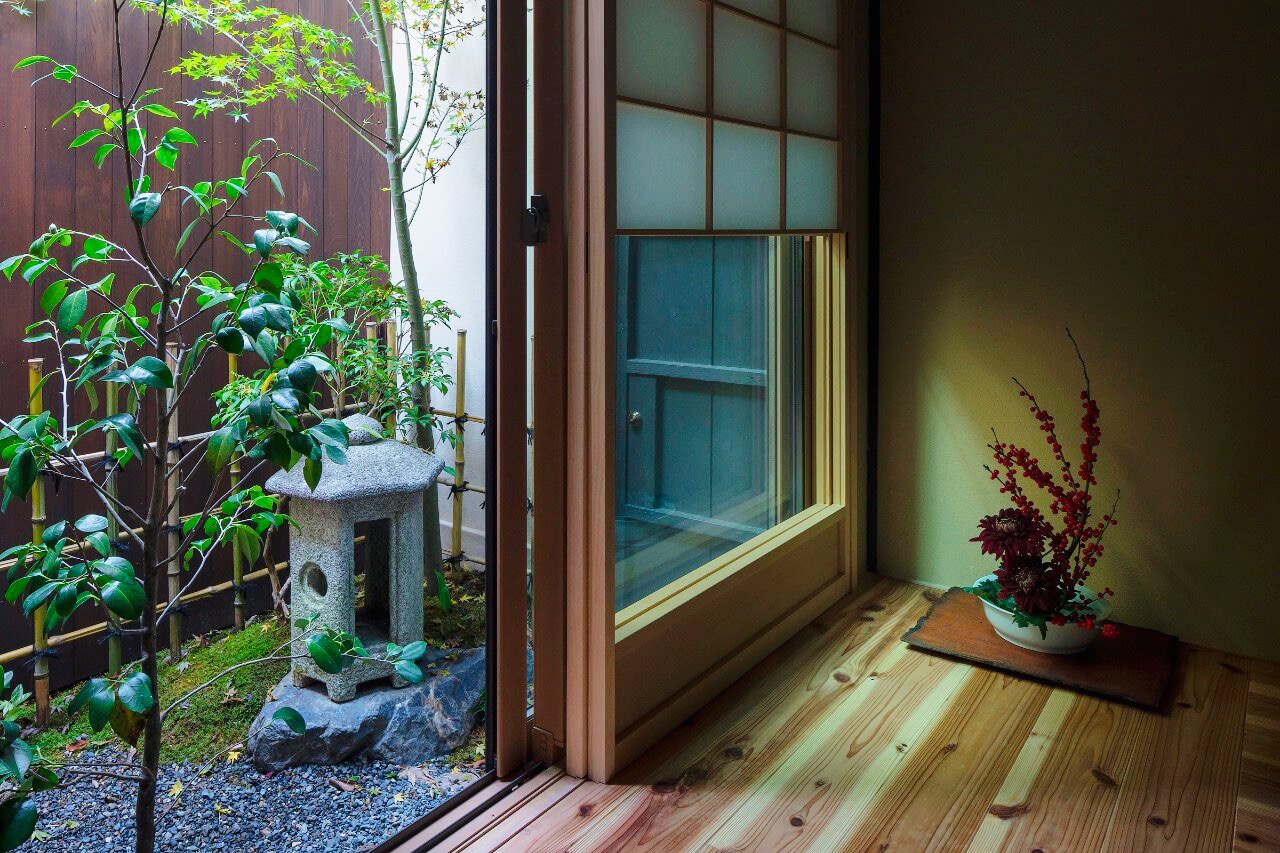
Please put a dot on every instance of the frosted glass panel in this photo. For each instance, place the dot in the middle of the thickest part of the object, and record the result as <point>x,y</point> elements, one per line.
<point>662,51</point>
<point>811,183</point>
<point>811,87</point>
<point>746,68</point>
<point>662,169</point>
<point>814,17</point>
<point>764,8</point>
<point>745,179</point>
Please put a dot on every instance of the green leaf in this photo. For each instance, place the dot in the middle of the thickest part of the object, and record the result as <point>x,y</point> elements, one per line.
<point>166,155</point>
<point>135,693</point>
<point>160,110</point>
<point>293,244</point>
<point>85,693</point>
<point>247,542</point>
<point>100,542</point>
<point>101,703</point>
<point>15,759</point>
<point>312,469</point>
<point>17,823</point>
<point>220,448</point>
<point>230,339</point>
<point>22,473</point>
<point>292,719</point>
<point>286,223</point>
<point>409,671</point>
<point>179,136</point>
<point>72,309</point>
<point>115,568</point>
<point>91,523</point>
<point>413,651</point>
<point>325,652</point>
<point>149,371</point>
<point>144,206</point>
<point>52,296</point>
<point>301,375</point>
<point>87,137</point>
<point>442,592</point>
<point>270,277</point>
<point>124,598</point>
<point>100,156</point>
<point>31,60</point>
<point>264,239</point>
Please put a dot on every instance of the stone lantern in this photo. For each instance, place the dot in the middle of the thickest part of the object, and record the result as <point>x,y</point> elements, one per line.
<point>380,487</point>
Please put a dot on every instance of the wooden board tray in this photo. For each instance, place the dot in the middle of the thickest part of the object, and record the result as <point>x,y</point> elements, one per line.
<point>1135,666</point>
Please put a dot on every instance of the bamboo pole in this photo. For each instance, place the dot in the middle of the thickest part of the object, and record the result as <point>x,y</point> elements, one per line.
<point>39,516</point>
<point>112,487</point>
<point>173,457</point>
<point>237,559</point>
<point>392,353</point>
<point>459,443</point>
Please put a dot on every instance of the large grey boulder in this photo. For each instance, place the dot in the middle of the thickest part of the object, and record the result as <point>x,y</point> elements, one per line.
<point>408,725</point>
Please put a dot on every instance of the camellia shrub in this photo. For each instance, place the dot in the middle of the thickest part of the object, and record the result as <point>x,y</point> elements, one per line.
<point>133,313</point>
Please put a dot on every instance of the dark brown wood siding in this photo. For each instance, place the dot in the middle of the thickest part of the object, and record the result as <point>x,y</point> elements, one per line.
<point>43,182</point>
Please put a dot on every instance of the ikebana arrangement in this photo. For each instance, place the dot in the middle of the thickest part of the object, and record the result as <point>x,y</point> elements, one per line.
<point>1037,597</point>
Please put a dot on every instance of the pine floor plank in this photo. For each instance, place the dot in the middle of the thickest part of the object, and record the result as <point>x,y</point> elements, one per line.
<point>1258,803</point>
<point>845,739</point>
<point>845,758</point>
<point>938,798</point>
<point>673,798</point>
<point>1180,791</point>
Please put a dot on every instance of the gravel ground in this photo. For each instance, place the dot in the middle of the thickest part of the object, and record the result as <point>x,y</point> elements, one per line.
<point>235,808</point>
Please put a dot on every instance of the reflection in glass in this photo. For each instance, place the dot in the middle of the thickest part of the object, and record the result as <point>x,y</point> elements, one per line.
<point>710,405</point>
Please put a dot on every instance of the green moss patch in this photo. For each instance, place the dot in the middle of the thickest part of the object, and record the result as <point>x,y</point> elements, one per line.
<point>212,720</point>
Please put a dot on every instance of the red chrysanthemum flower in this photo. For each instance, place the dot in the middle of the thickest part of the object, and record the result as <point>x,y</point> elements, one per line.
<point>1034,586</point>
<point>1012,533</point>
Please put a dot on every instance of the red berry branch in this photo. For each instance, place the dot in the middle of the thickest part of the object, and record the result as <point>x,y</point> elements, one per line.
<point>1041,565</point>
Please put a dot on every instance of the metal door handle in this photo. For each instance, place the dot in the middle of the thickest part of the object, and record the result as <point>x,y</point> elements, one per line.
<point>635,419</point>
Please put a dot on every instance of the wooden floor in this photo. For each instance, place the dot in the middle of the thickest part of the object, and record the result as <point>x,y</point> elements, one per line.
<point>845,739</point>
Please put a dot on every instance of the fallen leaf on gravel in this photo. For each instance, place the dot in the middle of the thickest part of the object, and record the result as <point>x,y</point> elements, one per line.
<point>399,798</point>
<point>175,789</point>
<point>40,836</point>
<point>416,774</point>
<point>233,756</point>
<point>341,785</point>
<point>219,808</point>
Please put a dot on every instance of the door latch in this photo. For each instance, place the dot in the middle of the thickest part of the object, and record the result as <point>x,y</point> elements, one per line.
<point>536,218</point>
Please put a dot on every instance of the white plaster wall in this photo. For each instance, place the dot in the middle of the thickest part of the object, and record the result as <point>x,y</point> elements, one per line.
<point>449,244</point>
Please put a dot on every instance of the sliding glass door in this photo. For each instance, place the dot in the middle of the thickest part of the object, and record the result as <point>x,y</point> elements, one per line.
<point>710,499</point>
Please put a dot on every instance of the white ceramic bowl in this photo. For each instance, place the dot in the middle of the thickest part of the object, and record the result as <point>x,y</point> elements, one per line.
<point>1060,639</point>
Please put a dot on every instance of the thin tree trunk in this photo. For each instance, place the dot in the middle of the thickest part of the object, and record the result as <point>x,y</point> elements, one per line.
<point>419,335</point>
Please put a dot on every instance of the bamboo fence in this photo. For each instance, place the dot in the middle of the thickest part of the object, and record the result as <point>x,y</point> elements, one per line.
<point>43,645</point>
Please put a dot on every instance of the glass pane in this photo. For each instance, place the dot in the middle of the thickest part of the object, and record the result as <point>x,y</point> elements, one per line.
<point>814,17</point>
<point>811,183</point>
<point>710,411</point>
<point>764,8</point>
<point>662,169</point>
<point>662,51</point>
<point>745,180</point>
<point>746,68</point>
<point>811,87</point>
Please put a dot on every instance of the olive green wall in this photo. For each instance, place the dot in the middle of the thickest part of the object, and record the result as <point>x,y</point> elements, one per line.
<point>1114,167</point>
